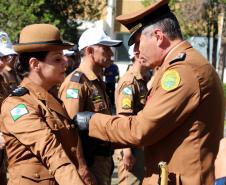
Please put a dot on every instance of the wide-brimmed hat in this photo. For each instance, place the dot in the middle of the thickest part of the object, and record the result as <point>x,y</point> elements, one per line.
<point>93,36</point>
<point>40,37</point>
<point>136,21</point>
<point>5,45</point>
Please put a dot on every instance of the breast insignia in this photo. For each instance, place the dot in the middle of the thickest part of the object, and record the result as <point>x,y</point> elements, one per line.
<point>19,91</point>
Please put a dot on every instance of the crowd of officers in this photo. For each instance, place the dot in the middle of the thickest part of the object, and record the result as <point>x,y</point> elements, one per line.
<point>57,124</point>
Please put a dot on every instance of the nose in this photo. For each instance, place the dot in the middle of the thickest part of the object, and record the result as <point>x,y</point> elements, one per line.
<point>2,64</point>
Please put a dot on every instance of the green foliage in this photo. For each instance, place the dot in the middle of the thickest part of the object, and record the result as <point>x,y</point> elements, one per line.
<point>15,14</point>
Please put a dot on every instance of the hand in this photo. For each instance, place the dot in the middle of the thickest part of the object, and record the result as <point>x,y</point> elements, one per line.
<point>128,159</point>
<point>81,120</point>
<point>2,141</point>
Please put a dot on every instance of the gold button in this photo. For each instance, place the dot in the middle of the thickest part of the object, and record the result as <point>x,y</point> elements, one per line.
<point>72,126</point>
<point>73,149</point>
<point>37,175</point>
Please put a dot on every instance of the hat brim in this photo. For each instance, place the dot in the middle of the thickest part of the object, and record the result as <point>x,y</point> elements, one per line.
<point>6,52</point>
<point>38,47</point>
<point>111,43</point>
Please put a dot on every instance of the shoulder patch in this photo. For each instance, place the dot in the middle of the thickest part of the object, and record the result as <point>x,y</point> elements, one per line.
<point>76,77</point>
<point>170,80</point>
<point>72,93</point>
<point>126,103</point>
<point>18,111</point>
<point>19,91</point>
<point>127,91</point>
<point>179,57</point>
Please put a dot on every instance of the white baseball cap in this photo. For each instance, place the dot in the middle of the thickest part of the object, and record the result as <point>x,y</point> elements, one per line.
<point>94,36</point>
<point>5,45</point>
<point>131,52</point>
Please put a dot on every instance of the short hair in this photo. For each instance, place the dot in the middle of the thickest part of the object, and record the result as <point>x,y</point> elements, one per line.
<point>22,65</point>
<point>168,24</point>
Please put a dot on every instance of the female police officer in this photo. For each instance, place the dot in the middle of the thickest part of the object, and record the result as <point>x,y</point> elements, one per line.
<point>43,147</point>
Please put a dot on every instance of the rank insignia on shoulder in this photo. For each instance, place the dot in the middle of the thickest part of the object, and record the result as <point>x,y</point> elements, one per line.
<point>18,111</point>
<point>127,91</point>
<point>72,94</point>
<point>126,103</point>
<point>179,57</point>
<point>76,77</point>
<point>19,91</point>
<point>170,80</point>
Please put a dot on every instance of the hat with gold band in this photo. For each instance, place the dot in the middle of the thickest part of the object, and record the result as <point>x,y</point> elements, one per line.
<point>40,37</point>
<point>135,21</point>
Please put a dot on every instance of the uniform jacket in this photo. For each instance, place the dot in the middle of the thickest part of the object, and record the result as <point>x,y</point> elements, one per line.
<point>130,93</point>
<point>81,91</point>
<point>181,123</point>
<point>40,140</point>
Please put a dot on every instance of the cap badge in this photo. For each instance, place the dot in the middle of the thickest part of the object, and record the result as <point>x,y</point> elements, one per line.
<point>3,40</point>
<point>135,28</point>
<point>170,80</point>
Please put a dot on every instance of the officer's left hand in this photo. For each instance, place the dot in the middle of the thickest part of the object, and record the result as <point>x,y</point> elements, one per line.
<point>81,120</point>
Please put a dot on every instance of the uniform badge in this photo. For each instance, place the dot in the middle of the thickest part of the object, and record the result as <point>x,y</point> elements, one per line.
<point>127,91</point>
<point>72,94</point>
<point>18,111</point>
<point>170,80</point>
<point>126,103</point>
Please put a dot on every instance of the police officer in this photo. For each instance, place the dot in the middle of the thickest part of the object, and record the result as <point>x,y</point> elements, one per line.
<point>84,90</point>
<point>130,99</point>
<point>6,51</point>
<point>42,145</point>
<point>182,121</point>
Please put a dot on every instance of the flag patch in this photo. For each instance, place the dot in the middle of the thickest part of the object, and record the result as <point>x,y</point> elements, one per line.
<point>18,111</point>
<point>127,91</point>
<point>72,93</point>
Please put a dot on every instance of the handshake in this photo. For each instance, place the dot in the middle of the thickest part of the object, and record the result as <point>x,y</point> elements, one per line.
<point>81,120</point>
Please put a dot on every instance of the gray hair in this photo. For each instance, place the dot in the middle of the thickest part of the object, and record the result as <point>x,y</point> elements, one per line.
<point>168,24</point>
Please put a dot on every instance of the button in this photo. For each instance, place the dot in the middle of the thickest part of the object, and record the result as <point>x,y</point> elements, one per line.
<point>55,126</point>
<point>73,149</point>
<point>72,126</point>
<point>37,175</point>
<point>68,126</point>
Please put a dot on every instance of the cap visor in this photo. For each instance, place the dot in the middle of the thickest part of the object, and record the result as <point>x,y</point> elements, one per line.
<point>6,52</point>
<point>111,43</point>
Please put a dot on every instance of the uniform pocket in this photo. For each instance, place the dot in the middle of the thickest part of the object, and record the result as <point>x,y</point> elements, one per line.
<point>36,174</point>
<point>54,123</point>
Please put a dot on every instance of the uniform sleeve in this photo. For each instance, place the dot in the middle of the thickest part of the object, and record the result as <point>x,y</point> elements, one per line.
<point>24,122</point>
<point>164,111</point>
<point>73,95</point>
<point>125,99</point>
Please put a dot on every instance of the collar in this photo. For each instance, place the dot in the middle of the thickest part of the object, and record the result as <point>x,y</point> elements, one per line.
<point>88,73</point>
<point>42,94</point>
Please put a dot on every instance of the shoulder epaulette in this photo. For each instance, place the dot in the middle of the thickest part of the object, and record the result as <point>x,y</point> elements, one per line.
<point>179,57</point>
<point>76,77</point>
<point>19,91</point>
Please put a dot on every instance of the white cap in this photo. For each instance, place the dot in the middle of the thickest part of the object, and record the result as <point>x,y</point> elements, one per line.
<point>94,36</point>
<point>6,47</point>
<point>68,52</point>
<point>131,52</point>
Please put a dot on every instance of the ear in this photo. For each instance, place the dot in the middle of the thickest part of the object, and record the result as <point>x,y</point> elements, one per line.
<point>158,34</point>
<point>34,64</point>
<point>89,50</point>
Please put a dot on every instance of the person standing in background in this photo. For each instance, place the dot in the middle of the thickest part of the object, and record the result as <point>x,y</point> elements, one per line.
<point>6,51</point>
<point>84,90</point>
<point>111,74</point>
<point>130,96</point>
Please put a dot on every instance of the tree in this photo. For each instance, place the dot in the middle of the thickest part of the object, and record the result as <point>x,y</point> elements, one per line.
<point>15,14</point>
